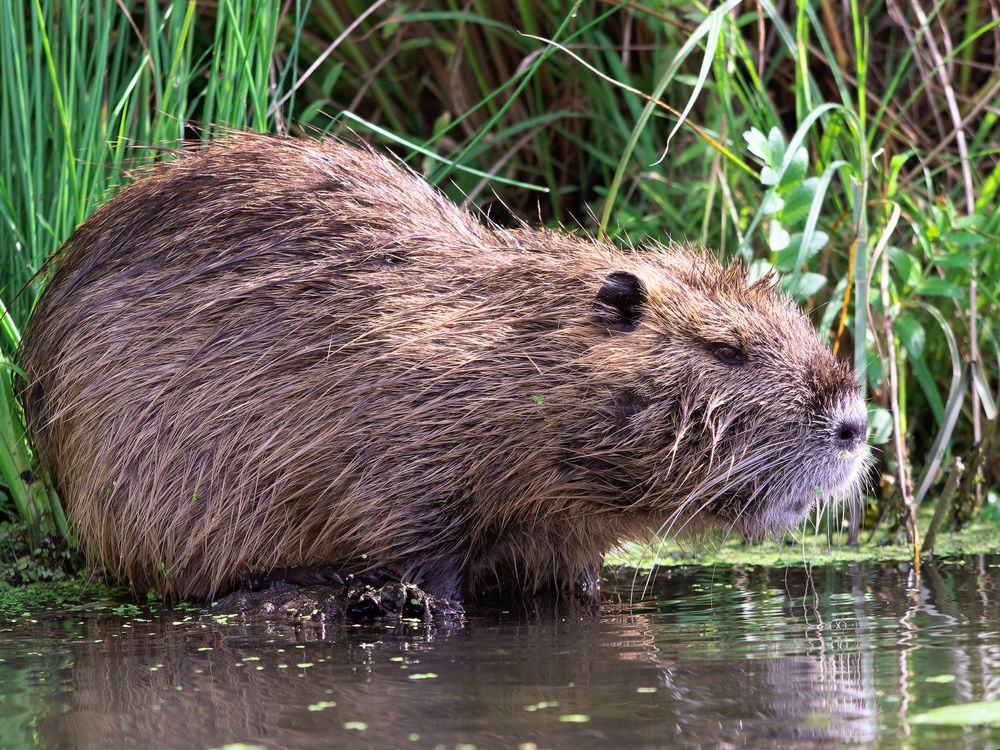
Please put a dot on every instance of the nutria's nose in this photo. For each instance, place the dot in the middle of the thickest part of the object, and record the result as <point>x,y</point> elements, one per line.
<point>850,432</point>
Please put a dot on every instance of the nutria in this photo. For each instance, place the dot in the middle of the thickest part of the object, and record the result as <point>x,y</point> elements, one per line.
<point>273,354</point>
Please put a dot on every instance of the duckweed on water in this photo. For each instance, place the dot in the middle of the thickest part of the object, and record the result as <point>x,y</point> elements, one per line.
<point>980,537</point>
<point>58,595</point>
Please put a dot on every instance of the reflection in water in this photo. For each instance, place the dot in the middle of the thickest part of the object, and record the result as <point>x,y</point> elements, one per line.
<point>755,658</point>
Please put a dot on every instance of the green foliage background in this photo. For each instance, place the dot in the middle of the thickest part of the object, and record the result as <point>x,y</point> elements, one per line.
<point>853,147</point>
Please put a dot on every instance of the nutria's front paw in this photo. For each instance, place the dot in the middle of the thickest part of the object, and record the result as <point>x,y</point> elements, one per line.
<point>277,598</point>
<point>398,601</point>
<point>587,588</point>
<point>354,601</point>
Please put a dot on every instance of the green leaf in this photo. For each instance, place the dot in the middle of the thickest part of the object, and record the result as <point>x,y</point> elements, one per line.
<point>911,334</point>
<point>330,79</point>
<point>745,249</point>
<point>895,165</point>
<point>985,713</point>
<point>879,425</point>
<point>798,200</point>
<point>966,239</point>
<point>796,167</point>
<point>913,337</point>
<point>772,204</point>
<point>714,29</point>
<point>814,210</point>
<point>953,260</point>
<point>953,407</point>
<point>907,266</point>
<point>776,148</point>
<point>777,236</point>
<point>810,284</point>
<point>806,286</point>
<point>768,176</point>
<point>756,144</point>
<point>982,385</point>
<point>759,268</point>
<point>935,286</point>
<point>787,258</point>
<point>876,374</point>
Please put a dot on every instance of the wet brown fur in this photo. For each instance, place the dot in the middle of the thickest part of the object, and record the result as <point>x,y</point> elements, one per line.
<point>273,354</point>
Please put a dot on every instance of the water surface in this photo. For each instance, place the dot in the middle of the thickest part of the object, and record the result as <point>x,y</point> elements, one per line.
<point>827,657</point>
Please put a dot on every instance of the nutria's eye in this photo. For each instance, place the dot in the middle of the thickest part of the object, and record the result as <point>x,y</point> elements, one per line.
<point>728,354</point>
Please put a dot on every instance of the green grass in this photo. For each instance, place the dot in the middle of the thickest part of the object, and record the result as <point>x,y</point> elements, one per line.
<point>820,142</point>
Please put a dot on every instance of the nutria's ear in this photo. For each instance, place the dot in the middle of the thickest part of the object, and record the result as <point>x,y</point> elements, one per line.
<point>620,302</point>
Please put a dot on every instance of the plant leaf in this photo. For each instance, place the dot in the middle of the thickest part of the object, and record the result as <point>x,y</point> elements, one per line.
<point>756,143</point>
<point>906,266</point>
<point>768,176</point>
<point>789,256</point>
<point>953,260</point>
<point>798,200</point>
<point>956,397</point>
<point>759,268</point>
<point>796,167</point>
<point>982,386</point>
<point>777,236</point>
<point>879,425</point>
<point>775,148</point>
<point>935,286</point>
<point>808,284</point>
<point>773,203</point>
<point>913,337</point>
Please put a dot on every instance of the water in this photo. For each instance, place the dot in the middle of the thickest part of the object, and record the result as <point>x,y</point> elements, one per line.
<point>832,657</point>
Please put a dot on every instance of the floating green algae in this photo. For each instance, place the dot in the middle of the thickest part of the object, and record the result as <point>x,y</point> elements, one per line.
<point>980,537</point>
<point>58,595</point>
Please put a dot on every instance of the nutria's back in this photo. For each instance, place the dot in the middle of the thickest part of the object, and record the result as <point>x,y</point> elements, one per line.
<point>273,354</point>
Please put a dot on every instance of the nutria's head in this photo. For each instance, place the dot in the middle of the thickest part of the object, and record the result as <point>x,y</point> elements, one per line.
<point>737,411</point>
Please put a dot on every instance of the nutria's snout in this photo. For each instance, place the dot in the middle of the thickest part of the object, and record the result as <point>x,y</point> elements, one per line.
<point>850,432</point>
<point>835,461</point>
<point>849,424</point>
<point>848,439</point>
